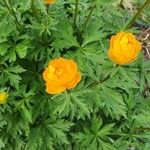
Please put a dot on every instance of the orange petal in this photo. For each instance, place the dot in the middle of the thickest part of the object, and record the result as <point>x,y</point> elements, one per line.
<point>112,41</point>
<point>45,74</point>
<point>49,1</point>
<point>138,46</point>
<point>69,69</point>
<point>75,81</point>
<point>55,89</point>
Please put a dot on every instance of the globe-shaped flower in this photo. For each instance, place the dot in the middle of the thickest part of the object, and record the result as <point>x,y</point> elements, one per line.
<point>124,48</point>
<point>61,74</point>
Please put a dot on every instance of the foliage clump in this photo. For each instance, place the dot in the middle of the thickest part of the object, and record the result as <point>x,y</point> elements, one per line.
<point>109,109</point>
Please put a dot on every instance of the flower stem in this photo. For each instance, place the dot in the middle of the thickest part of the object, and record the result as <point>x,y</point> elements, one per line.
<point>147,2</point>
<point>35,12</point>
<point>47,8</point>
<point>88,17</point>
<point>12,12</point>
<point>142,129</point>
<point>76,11</point>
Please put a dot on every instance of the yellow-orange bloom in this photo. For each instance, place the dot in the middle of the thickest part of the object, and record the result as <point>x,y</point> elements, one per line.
<point>61,74</point>
<point>124,48</point>
<point>3,97</point>
<point>49,1</point>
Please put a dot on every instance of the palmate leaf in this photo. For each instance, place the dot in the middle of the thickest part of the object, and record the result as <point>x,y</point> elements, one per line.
<point>11,74</point>
<point>43,29</point>
<point>121,144</point>
<point>128,74</point>
<point>121,83</point>
<point>93,34</point>
<point>38,141</point>
<point>3,48</point>
<point>143,118</point>
<point>71,104</point>
<point>95,137</point>
<point>109,100</point>
<point>21,104</point>
<point>58,128</point>
<point>89,62</point>
<point>88,69</point>
<point>48,132</point>
<point>34,139</point>
<point>64,37</point>
<point>104,94</point>
<point>26,114</point>
<point>25,5</point>
<point>113,102</point>
<point>2,145</point>
<point>19,50</point>
<point>7,25</point>
<point>41,6</point>
<point>122,78</point>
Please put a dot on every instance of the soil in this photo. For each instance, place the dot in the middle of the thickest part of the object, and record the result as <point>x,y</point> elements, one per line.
<point>144,37</point>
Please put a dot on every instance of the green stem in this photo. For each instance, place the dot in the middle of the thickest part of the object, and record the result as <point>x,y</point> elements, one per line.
<point>47,8</point>
<point>141,129</point>
<point>88,17</point>
<point>35,12</point>
<point>76,11</point>
<point>12,12</point>
<point>147,2</point>
<point>124,134</point>
<point>45,39</point>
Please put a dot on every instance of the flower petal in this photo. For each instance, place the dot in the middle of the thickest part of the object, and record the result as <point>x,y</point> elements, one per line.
<point>54,89</point>
<point>75,81</point>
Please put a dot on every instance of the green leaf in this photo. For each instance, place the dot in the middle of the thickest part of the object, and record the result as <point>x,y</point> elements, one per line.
<point>14,69</point>
<point>3,48</point>
<point>104,1</point>
<point>26,114</point>
<point>64,37</point>
<point>96,124</point>
<point>11,74</point>
<point>2,145</point>
<point>126,76</point>
<point>58,128</point>
<point>113,102</point>
<point>96,136</point>
<point>6,27</point>
<point>143,118</point>
<point>41,6</point>
<point>34,139</point>
<point>21,48</point>
<point>105,130</point>
<point>93,34</point>
<point>25,5</point>
<point>72,104</point>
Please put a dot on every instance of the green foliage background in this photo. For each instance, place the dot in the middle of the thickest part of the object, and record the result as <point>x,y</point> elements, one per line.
<point>108,110</point>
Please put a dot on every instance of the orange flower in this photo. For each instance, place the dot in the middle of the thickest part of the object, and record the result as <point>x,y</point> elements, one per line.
<point>124,48</point>
<point>49,1</point>
<point>61,74</point>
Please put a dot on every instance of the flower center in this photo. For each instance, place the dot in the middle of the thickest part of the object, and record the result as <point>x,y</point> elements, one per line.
<point>55,72</point>
<point>58,72</point>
